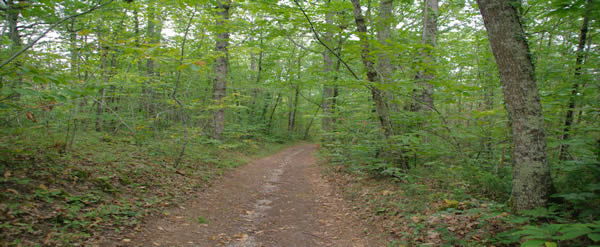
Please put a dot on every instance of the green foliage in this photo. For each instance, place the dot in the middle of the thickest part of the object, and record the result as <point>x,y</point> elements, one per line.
<point>103,183</point>
<point>202,220</point>
<point>93,105</point>
<point>577,233</point>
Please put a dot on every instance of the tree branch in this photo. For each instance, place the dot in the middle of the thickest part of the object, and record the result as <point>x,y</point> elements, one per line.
<point>312,28</point>
<point>32,43</point>
<point>287,35</point>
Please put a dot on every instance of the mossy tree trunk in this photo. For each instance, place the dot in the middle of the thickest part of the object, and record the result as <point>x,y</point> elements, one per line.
<point>532,183</point>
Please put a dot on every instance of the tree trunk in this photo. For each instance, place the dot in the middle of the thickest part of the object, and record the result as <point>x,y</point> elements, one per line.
<point>423,95</point>
<point>12,14</point>
<point>532,183</point>
<point>326,102</point>
<point>384,64</point>
<point>293,109</point>
<point>564,148</point>
<point>270,124</point>
<point>151,35</point>
<point>136,28</point>
<point>256,65</point>
<point>74,50</point>
<point>221,67</point>
<point>380,106</point>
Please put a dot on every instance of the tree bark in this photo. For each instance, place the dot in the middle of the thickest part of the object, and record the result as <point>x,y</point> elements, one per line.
<point>564,148</point>
<point>423,95</point>
<point>221,67</point>
<point>381,107</point>
<point>532,183</point>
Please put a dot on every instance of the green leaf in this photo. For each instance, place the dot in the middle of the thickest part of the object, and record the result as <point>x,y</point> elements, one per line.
<point>533,243</point>
<point>573,231</point>
<point>594,236</point>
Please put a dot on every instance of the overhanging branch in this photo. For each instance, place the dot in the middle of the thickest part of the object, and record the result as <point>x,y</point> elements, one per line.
<point>33,42</point>
<point>312,28</point>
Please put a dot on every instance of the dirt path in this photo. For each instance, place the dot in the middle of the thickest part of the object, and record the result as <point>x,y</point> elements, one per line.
<point>280,200</point>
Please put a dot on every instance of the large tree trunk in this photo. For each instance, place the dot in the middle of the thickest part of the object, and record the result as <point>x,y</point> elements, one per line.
<point>532,183</point>
<point>564,148</point>
<point>221,67</point>
<point>385,68</point>
<point>423,95</point>
<point>378,95</point>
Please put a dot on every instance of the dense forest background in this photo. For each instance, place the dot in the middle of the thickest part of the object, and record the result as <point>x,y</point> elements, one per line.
<point>102,98</point>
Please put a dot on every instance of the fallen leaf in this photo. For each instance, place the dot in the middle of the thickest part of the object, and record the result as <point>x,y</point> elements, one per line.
<point>12,191</point>
<point>241,236</point>
<point>31,117</point>
<point>386,193</point>
<point>415,219</point>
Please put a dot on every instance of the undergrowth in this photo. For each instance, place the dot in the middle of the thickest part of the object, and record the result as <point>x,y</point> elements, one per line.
<point>446,202</point>
<point>54,194</point>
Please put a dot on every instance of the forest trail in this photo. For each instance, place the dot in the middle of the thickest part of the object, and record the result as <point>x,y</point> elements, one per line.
<point>280,200</point>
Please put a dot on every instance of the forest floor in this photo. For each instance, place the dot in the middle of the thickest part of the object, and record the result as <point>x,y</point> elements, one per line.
<point>280,200</point>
